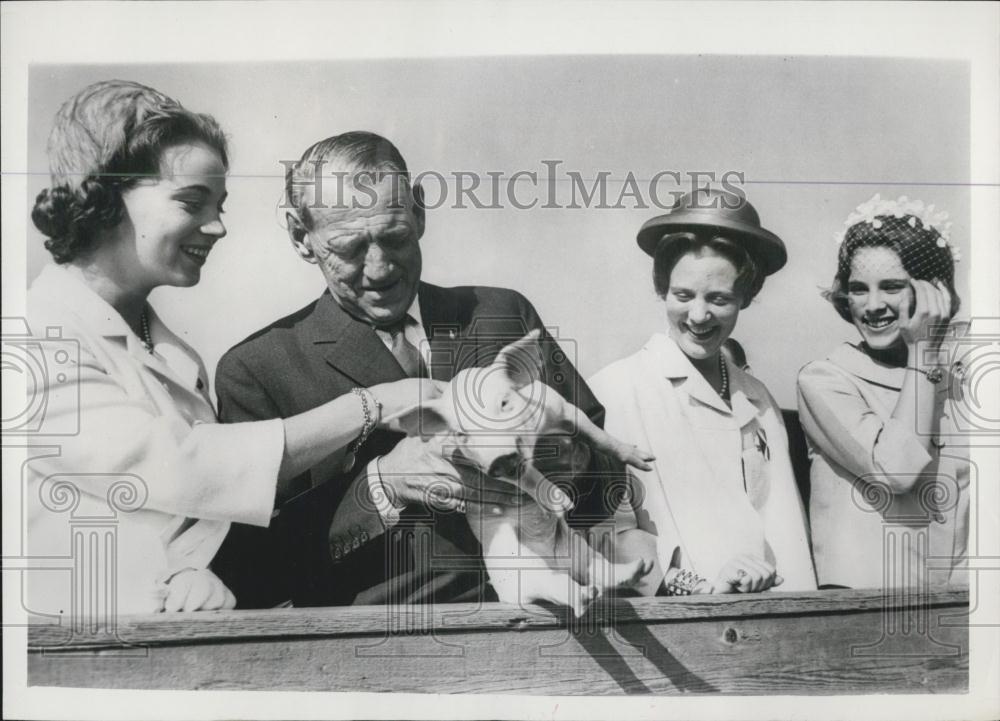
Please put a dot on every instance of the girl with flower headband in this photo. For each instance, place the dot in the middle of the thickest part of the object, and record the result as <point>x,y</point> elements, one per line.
<point>876,412</point>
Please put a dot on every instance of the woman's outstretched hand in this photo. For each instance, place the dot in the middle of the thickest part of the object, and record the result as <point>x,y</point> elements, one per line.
<point>402,395</point>
<point>931,313</point>
<point>746,573</point>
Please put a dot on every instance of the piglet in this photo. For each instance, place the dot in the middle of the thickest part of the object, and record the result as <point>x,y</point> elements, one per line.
<point>493,418</point>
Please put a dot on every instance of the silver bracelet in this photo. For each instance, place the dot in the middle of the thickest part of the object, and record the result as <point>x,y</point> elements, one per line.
<point>372,409</point>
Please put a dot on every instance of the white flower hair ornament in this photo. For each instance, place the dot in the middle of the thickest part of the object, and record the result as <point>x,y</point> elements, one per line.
<point>876,208</point>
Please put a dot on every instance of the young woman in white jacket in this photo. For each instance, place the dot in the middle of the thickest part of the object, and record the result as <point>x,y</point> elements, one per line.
<point>127,435</point>
<point>720,510</point>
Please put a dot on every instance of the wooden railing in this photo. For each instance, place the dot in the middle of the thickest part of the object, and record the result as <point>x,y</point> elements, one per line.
<point>826,642</point>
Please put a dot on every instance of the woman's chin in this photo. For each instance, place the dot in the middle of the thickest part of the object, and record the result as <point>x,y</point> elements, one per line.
<point>698,351</point>
<point>184,280</point>
<point>881,341</point>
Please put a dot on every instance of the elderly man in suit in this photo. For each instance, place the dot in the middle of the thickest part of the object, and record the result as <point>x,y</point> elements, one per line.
<point>363,527</point>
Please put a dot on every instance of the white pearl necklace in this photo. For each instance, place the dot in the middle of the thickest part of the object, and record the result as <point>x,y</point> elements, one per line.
<point>724,391</point>
<point>147,337</point>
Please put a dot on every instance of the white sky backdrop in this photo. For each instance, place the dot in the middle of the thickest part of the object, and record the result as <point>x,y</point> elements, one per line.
<point>814,137</point>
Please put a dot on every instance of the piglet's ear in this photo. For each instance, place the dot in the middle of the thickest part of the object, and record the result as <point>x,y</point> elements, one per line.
<point>424,420</point>
<point>522,360</point>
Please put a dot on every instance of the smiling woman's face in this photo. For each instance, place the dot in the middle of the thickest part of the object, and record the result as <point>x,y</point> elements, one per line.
<point>879,287</point>
<point>174,220</point>
<point>702,303</point>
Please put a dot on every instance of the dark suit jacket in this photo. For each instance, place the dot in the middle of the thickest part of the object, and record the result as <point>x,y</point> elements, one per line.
<point>326,544</point>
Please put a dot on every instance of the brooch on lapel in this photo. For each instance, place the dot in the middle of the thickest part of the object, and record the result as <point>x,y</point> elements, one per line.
<point>761,444</point>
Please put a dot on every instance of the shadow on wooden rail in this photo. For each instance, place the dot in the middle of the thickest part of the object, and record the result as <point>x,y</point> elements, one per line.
<point>824,642</point>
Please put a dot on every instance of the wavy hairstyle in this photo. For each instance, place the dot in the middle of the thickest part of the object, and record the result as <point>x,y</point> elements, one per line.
<point>357,154</point>
<point>673,246</point>
<point>105,139</point>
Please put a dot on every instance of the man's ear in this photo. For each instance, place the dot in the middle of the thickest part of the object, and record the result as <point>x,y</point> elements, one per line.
<point>299,236</point>
<point>423,420</point>
<point>522,360</point>
<point>419,212</point>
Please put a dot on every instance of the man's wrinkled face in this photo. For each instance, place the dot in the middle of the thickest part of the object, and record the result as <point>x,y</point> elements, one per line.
<point>367,246</point>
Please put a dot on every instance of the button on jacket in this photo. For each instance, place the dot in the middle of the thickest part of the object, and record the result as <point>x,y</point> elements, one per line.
<point>875,489</point>
<point>128,443</point>
<point>722,483</point>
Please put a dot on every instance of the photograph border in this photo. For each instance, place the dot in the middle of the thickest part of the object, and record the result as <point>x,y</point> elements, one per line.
<point>35,33</point>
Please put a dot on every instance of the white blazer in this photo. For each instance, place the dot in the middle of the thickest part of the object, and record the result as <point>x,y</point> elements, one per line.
<point>722,483</point>
<point>130,478</point>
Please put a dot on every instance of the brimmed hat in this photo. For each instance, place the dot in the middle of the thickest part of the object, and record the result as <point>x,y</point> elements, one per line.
<point>719,210</point>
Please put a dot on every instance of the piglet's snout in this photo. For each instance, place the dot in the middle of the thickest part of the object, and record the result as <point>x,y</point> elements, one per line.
<point>504,466</point>
<point>499,456</point>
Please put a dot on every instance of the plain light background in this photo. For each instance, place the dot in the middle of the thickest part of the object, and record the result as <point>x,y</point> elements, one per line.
<point>813,137</point>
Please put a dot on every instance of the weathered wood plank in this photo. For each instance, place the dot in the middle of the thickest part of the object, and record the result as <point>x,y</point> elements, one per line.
<point>752,655</point>
<point>828,643</point>
<point>161,628</point>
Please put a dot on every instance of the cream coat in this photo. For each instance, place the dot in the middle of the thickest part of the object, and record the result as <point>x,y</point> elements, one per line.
<point>866,525</point>
<point>129,454</point>
<point>694,499</point>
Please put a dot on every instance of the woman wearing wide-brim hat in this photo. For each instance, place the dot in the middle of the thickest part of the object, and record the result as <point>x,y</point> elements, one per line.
<point>720,511</point>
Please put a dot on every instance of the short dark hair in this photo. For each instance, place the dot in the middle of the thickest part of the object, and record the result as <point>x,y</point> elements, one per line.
<point>921,250</point>
<point>359,151</point>
<point>105,139</point>
<point>672,247</point>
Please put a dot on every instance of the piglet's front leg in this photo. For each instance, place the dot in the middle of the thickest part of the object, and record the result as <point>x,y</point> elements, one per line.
<point>532,555</point>
<point>521,559</point>
<point>591,567</point>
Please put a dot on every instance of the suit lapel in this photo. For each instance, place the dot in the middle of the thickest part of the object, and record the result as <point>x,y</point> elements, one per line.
<point>353,348</point>
<point>445,329</point>
<point>350,346</point>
